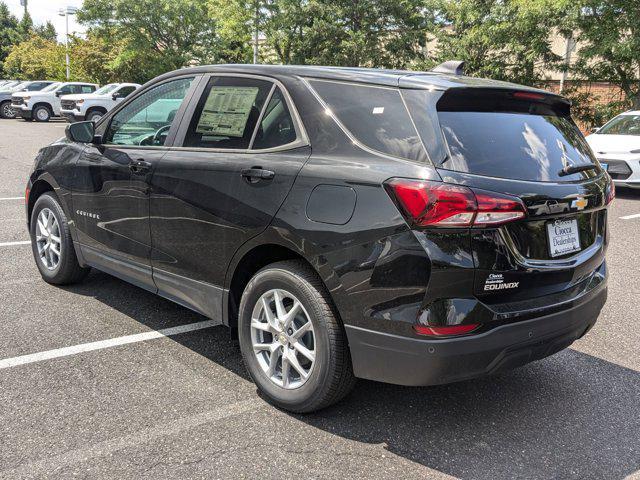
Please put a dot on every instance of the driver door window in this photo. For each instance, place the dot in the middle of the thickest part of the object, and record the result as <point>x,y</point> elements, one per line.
<point>148,119</point>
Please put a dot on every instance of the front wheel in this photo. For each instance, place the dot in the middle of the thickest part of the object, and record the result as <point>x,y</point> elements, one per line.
<point>94,116</point>
<point>52,244</point>
<point>292,344</point>
<point>6,111</point>
<point>41,114</point>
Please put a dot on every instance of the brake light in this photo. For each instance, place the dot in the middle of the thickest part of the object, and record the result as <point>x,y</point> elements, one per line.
<point>445,330</point>
<point>529,96</point>
<point>437,204</point>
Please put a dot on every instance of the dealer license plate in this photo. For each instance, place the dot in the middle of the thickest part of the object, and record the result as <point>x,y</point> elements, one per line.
<point>564,237</point>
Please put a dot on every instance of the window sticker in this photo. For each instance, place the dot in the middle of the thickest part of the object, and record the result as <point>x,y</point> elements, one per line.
<point>227,110</point>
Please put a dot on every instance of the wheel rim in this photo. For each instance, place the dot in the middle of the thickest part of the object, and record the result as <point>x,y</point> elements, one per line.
<point>7,111</point>
<point>95,117</point>
<point>48,239</point>
<point>42,114</point>
<point>283,339</point>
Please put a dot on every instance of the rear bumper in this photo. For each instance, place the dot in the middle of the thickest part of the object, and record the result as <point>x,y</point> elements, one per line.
<point>412,361</point>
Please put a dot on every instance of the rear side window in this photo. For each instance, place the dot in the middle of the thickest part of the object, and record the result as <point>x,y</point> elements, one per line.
<point>227,113</point>
<point>87,88</point>
<point>276,127</point>
<point>531,142</point>
<point>375,116</point>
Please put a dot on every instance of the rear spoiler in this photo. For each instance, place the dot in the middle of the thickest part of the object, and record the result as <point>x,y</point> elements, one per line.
<point>451,67</point>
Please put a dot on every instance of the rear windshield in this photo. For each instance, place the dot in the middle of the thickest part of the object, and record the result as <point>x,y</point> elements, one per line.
<point>622,125</point>
<point>526,146</point>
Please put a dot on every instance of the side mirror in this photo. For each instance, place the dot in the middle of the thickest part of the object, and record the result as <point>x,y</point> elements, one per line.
<point>595,129</point>
<point>115,96</point>
<point>80,132</point>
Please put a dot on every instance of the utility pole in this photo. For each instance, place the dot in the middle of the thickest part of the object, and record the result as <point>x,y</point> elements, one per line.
<point>24,4</point>
<point>65,12</point>
<point>256,24</point>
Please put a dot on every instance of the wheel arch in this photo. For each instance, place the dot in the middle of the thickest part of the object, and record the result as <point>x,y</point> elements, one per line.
<point>247,262</point>
<point>96,108</point>
<point>43,104</point>
<point>38,188</point>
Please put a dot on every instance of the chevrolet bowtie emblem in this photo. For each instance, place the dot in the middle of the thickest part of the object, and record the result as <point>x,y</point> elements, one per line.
<point>579,203</point>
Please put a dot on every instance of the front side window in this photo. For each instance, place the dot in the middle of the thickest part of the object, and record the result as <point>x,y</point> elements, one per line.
<point>124,91</point>
<point>622,125</point>
<point>147,119</point>
<point>65,90</point>
<point>227,113</point>
<point>375,116</point>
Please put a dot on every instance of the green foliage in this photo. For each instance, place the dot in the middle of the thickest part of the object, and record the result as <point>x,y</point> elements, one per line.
<point>36,58</point>
<point>608,32</point>
<point>158,35</point>
<point>9,35</point>
<point>46,31</point>
<point>500,39</point>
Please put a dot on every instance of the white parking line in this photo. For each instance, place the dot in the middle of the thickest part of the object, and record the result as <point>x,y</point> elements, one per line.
<point>11,244</point>
<point>112,342</point>
<point>629,217</point>
<point>11,198</point>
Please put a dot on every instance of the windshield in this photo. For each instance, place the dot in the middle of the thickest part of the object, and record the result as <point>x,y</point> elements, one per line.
<point>106,89</point>
<point>622,125</point>
<point>17,87</point>
<point>53,86</point>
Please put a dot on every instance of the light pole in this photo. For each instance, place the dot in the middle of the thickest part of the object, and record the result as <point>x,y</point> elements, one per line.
<point>65,12</point>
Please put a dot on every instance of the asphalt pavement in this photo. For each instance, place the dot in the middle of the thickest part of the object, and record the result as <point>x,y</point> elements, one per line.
<point>143,404</point>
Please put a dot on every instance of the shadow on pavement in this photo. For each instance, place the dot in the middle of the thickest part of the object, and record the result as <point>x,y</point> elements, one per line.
<point>569,416</point>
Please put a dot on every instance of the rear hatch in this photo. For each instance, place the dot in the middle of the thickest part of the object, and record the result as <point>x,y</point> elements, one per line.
<point>525,145</point>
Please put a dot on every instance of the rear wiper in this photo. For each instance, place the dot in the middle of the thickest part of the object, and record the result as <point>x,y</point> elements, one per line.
<point>569,169</point>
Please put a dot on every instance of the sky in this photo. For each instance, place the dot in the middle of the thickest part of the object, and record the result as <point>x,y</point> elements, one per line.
<point>43,10</point>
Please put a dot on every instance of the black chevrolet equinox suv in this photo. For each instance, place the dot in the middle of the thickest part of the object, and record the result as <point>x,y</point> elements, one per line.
<point>416,228</point>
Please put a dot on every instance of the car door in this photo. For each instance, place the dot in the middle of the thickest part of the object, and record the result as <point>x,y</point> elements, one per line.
<point>238,151</point>
<point>67,89</point>
<point>111,191</point>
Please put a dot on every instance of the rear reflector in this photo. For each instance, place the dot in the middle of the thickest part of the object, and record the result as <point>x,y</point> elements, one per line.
<point>26,196</point>
<point>444,330</point>
<point>436,204</point>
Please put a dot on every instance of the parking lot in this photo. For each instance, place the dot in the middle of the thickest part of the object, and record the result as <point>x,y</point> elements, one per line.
<point>143,404</point>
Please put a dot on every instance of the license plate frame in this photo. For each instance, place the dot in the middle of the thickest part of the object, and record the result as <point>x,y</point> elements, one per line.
<point>563,236</point>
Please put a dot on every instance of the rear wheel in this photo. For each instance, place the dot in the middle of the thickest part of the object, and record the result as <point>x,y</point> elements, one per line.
<point>52,244</point>
<point>293,345</point>
<point>41,114</point>
<point>6,111</point>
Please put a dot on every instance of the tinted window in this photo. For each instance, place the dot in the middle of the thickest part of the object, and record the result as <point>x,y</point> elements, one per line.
<point>376,116</point>
<point>276,127</point>
<point>146,120</point>
<point>227,113</point>
<point>124,91</point>
<point>66,90</point>
<point>513,145</point>
<point>87,88</point>
<point>622,125</point>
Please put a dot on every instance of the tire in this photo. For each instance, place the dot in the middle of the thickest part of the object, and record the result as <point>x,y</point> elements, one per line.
<point>94,116</point>
<point>41,114</point>
<point>330,375</point>
<point>66,270</point>
<point>6,111</point>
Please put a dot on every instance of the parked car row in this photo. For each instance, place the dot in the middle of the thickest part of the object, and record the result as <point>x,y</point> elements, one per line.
<point>43,99</point>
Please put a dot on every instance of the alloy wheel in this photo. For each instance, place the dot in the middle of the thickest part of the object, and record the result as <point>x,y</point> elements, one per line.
<point>48,239</point>
<point>7,111</point>
<point>283,338</point>
<point>42,114</point>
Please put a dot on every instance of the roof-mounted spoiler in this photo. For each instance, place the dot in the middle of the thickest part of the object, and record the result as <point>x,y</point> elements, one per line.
<point>452,67</point>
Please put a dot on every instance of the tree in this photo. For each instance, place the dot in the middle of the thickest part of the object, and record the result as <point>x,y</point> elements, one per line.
<point>235,24</point>
<point>608,35</point>
<point>499,39</point>
<point>36,58</point>
<point>9,35</point>
<point>46,31</point>
<point>160,34</point>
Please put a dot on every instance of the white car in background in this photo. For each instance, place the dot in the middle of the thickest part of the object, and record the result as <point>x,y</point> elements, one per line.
<point>617,147</point>
<point>41,106</point>
<point>77,108</point>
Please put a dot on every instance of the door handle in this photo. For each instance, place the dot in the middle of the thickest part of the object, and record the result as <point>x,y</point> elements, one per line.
<point>139,166</point>
<point>257,173</point>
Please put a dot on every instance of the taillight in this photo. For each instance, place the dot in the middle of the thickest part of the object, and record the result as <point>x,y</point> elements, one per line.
<point>437,204</point>
<point>445,330</point>
<point>611,193</point>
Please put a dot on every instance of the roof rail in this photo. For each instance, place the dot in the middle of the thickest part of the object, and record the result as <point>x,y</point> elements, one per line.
<point>452,67</point>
